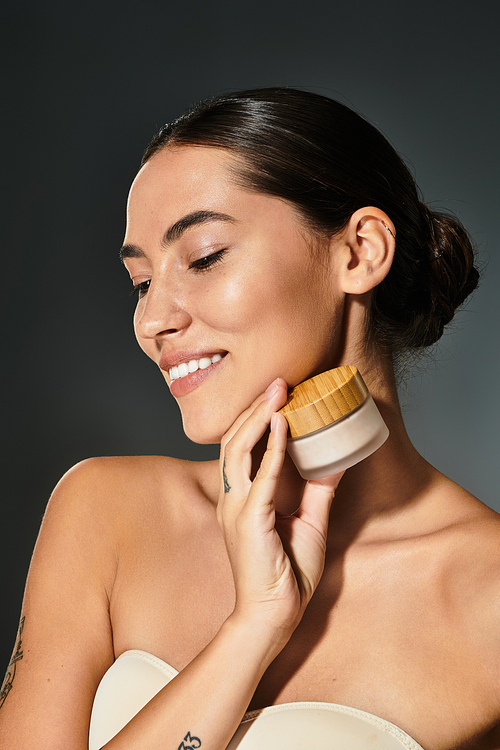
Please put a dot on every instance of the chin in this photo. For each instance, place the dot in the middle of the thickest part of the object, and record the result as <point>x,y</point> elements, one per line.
<point>202,432</point>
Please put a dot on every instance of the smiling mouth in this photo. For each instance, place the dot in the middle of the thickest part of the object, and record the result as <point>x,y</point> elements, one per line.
<point>187,368</point>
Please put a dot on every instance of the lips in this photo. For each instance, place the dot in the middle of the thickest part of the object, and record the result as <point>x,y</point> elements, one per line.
<point>187,370</point>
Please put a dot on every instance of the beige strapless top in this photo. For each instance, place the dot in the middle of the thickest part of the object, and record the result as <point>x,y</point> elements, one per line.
<point>136,677</point>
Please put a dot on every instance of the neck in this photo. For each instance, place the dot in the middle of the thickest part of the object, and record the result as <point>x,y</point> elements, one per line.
<point>374,495</point>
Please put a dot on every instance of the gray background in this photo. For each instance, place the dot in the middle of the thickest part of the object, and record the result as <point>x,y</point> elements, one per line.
<point>84,88</point>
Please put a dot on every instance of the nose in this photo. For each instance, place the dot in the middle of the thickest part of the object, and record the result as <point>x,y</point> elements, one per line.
<point>160,313</point>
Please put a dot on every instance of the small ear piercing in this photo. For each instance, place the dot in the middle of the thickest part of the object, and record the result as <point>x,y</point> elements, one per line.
<point>390,232</point>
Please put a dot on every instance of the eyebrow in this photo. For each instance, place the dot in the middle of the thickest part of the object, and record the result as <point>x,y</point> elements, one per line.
<point>177,230</point>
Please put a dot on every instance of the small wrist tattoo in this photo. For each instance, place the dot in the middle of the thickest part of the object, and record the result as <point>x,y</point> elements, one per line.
<point>193,742</point>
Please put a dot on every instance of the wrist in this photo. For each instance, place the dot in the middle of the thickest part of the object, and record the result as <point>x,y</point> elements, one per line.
<point>261,639</point>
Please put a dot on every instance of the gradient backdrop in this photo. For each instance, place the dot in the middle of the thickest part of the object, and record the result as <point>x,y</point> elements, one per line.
<point>84,88</point>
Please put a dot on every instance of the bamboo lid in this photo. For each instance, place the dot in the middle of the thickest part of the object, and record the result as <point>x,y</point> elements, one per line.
<point>323,399</point>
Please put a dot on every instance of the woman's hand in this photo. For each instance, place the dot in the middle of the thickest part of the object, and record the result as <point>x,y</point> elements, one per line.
<point>277,560</point>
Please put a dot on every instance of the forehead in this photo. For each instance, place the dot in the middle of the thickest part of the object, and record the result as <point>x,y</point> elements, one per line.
<point>180,181</point>
<point>176,176</point>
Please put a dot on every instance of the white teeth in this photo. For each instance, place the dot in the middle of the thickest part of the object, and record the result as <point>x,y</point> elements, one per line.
<point>194,364</point>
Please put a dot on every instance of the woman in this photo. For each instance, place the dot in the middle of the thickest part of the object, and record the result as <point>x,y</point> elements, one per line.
<point>271,235</point>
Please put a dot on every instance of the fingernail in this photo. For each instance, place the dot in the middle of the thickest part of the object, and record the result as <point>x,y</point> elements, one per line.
<point>273,421</point>
<point>271,391</point>
<point>273,385</point>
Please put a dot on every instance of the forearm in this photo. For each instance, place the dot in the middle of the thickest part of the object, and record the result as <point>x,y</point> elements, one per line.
<point>209,697</point>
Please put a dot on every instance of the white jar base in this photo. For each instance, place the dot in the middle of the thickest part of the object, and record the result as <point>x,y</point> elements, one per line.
<point>340,445</point>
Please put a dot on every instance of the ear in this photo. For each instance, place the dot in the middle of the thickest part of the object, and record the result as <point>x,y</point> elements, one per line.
<point>366,251</point>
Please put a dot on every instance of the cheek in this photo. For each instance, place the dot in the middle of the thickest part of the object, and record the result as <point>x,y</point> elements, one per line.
<point>233,304</point>
<point>282,300</point>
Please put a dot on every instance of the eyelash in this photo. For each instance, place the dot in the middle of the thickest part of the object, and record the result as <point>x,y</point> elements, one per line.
<point>139,290</point>
<point>203,264</point>
<point>198,266</point>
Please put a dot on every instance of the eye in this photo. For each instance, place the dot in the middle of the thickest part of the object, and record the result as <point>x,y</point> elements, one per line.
<point>203,264</point>
<point>139,290</point>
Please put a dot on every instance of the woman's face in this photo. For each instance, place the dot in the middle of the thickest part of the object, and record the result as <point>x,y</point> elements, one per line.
<point>228,287</point>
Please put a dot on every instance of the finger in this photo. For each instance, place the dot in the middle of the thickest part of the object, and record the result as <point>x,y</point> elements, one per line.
<point>237,457</point>
<point>238,492</point>
<point>249,411</point>
<point>266,481</point>
<point>256,508</point>
<point>224,481</point>
<point>317,501</point>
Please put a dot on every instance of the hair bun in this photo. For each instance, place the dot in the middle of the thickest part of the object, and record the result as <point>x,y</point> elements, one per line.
<point>452,275</point>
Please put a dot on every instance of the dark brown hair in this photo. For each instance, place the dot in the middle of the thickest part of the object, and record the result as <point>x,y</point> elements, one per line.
<point>328,161</point>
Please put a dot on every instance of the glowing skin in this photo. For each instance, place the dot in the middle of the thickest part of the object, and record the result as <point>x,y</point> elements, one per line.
<point>261,301</point>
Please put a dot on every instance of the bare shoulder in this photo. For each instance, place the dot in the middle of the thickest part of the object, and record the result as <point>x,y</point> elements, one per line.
<point>472,530</point>
<point>472,548</point>
<point>477,593</point>
<point>110,474</point>
<point>103,507</point>
<point>108,509</point>
<point>476,532</point>
<point>111,487</point>
<point>467,552</point>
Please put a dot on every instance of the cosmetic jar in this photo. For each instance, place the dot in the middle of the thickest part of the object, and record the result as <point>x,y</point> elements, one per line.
<point>334,423</point>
